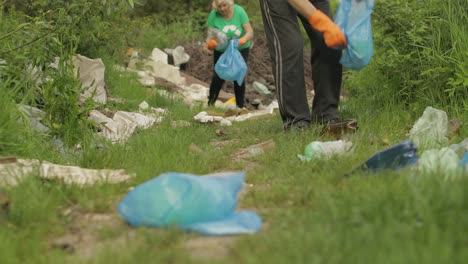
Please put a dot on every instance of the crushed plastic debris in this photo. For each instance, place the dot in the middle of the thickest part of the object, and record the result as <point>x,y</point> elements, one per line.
<point>325,150</point>
<point>430,130</point>
<point>205,117</point>
<point>123,124</point>
<point>12,173</point>
<point>393,158</point>
<point>204,204</point>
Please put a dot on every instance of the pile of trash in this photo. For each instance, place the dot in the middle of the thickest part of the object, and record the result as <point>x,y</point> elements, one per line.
<point>428,135</point>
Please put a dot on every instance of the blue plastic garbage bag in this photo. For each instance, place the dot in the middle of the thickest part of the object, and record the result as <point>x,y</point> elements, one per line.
<point>464,161</point>
<point>230,65</point>
<point>395,157</point>
<point>354,17</point>
<point>202,204</point>
<point>238,223</point>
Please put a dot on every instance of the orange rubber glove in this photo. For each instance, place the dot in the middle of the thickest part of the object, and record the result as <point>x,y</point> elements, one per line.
<point>333,35</point>
<point>242,41</point>
<point>211,44</point>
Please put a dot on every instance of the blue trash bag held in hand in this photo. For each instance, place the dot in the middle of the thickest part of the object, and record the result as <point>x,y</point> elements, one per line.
<point>354,17</point>
<point>203,204</point>
<point>231,66</point>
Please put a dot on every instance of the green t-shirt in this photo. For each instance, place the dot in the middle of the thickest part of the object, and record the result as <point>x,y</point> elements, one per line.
<point>233,27</point>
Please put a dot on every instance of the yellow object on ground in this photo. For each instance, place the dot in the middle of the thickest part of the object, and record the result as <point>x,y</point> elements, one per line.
<point>231,101</point>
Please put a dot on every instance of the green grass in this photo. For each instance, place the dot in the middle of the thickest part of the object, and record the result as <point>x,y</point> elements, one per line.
<point>311,212</point>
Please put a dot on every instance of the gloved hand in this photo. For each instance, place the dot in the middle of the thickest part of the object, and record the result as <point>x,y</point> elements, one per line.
<point>211,44</point>
<point>333,35</point>
<point>242,41</point>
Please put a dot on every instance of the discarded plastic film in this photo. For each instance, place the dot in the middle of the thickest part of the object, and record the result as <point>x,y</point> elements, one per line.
<point>431,129</point>
<point>444,162</point>
<point>325,150</point>
<point>394,157</point>
<point>354,17</point>
<point>464,161</point>
<point>231,66</point>
<point>203,204</point>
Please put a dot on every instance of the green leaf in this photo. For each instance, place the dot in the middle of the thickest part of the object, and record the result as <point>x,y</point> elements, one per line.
<point>130,3</point>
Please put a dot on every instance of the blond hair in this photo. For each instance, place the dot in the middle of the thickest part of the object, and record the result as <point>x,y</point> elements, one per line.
<point>215,3</point>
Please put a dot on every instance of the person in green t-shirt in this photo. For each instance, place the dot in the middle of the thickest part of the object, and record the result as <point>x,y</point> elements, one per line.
<point>230,21</point>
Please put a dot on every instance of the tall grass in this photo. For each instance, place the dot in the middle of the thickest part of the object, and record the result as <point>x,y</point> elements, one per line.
<point>420,56</point>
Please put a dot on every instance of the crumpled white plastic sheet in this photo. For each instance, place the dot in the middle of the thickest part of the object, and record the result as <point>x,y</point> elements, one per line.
<point>444,161</point>
<point>204,117</point>
<point>91,73</point>
<point>431,129</point>
<point>123,124</point>
<point>11,174</point>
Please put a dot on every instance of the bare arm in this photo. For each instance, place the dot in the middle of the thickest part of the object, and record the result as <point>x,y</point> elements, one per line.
<point>248,31</point>
<point>304,7</point>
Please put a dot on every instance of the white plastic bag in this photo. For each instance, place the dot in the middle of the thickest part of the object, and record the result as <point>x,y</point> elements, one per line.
<point>431,129</point>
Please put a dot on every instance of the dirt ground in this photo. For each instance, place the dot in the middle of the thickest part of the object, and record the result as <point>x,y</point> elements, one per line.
<point>200,66</point>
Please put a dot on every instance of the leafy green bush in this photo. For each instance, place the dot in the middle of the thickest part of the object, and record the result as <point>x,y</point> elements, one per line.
<point>420,54</point>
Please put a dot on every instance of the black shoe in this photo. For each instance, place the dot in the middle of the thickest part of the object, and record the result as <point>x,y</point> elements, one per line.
<point>298,126</point>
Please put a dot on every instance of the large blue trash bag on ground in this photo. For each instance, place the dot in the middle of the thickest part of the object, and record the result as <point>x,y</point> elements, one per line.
<point>230,65</point>
<point>203,204</point>
<point>354,17</point>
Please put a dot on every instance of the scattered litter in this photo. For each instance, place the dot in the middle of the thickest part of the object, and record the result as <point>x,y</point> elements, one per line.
<point>123,124</point>
<point>91,74</point>
<point>34,116</point>
<point>444,161</point>
<point>430,130</point>
<point>180,123</point>
<point>143,106</point>
<point>464,161</point>
<point>229,104</point>
<point>460,148</point>
<point>178,55</point>
<point>203,204</point>
<point>394,157</point>
<point>260,88</point>
<point>325,150</point>
<point>203,117</point>
<point>236,116</point>
<point>12,173</point>
<point>254,150</point>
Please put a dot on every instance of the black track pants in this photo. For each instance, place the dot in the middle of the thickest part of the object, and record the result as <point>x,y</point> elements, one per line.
<point>217,82</point>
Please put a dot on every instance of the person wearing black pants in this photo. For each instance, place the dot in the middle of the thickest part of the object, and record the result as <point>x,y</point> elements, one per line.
<point>217,82</point>
<point>285,44</point>
<point>228,21</point>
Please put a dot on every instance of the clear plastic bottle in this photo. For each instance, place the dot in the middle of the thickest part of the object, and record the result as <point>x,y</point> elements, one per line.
<point>219,36</point>
<point>325,150</point>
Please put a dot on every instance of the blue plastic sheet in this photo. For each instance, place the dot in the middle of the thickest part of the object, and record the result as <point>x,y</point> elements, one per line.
<point>464,161</point>
<point>354,18</point>
<point>231,66</point>
<point>204,204</point>
<point>395,157</point>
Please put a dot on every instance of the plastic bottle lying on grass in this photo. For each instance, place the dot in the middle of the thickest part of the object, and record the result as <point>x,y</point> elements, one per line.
<point>325,150</point>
